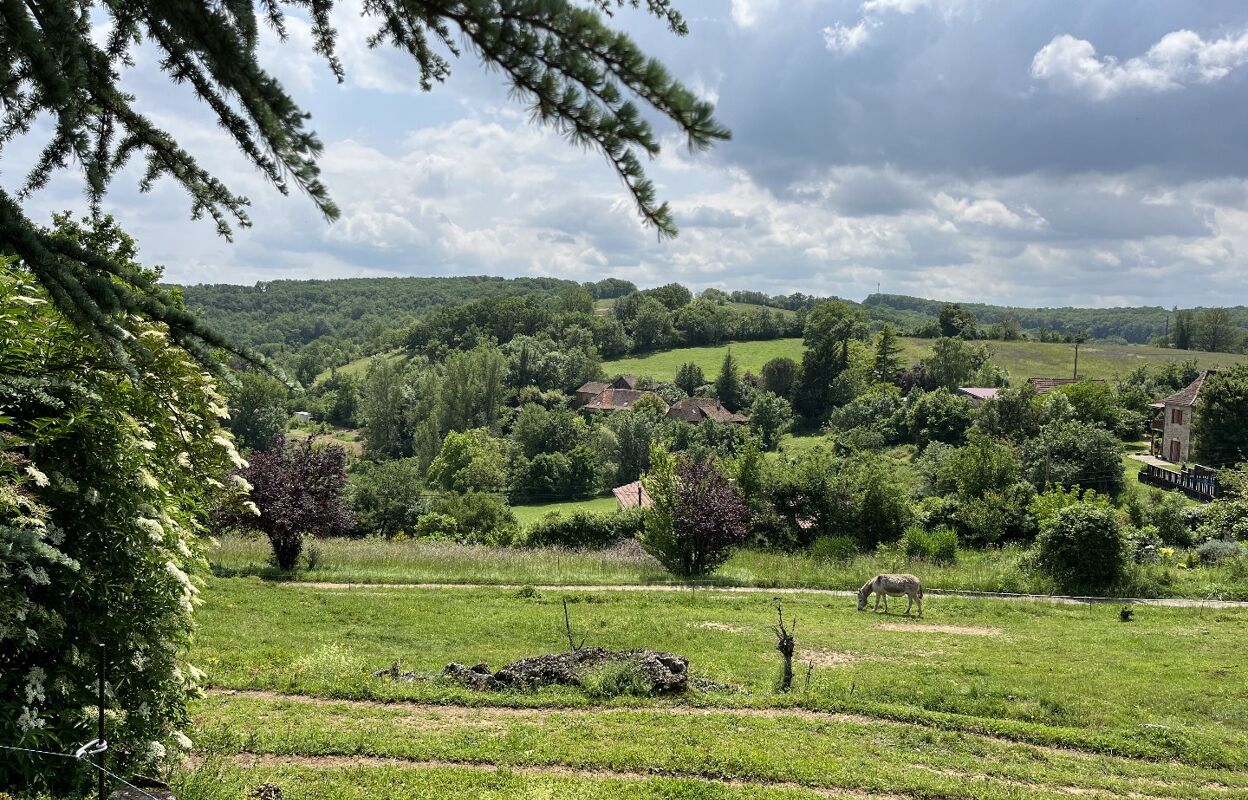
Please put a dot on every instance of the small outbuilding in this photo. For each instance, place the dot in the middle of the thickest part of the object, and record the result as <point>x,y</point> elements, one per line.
<point>632,495</point>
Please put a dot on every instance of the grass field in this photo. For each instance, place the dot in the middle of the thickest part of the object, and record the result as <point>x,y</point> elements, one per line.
<point>1023,359</point>
<point>980,699</point>
<point>528,514</point>
<point>359,366</point>
<point>378,561</point>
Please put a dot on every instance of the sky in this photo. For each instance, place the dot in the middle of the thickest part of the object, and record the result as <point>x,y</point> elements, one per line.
<point>1026,152</point>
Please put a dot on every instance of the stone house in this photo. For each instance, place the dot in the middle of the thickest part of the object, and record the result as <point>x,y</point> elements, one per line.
<point>1174,421</point>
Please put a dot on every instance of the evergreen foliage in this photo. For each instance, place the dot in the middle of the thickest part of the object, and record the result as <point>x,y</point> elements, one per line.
<point>65,59</point>
<point>1220,424</point>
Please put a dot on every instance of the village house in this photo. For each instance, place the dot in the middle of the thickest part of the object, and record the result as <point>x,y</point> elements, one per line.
<point>696,409</point>
<point>1173,421</point>
<point>592,389</point>
<point>612,399</point>
<point>632,495</point>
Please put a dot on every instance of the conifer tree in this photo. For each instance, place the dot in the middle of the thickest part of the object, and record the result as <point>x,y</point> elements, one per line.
<point>887,354</point>
<point>728,384</point>
<point>64,59</point>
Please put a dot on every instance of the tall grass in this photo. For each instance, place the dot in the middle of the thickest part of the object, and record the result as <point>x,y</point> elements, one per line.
<point>1002,570</point>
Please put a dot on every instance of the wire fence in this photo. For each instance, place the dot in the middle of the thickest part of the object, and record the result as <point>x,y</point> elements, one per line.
<point>83,756</point>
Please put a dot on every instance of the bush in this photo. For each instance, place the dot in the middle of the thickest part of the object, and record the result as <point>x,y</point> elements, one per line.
<point>1082,548</point>
<point>1215,550</point>
<point>583,529</point>
<point>1144,544</point>
<point>435,526</point>
<point>939,546</point>
<point>385,497</point>
<point>478,519</point>
<point>834,550</point>
<point>1167,512</point>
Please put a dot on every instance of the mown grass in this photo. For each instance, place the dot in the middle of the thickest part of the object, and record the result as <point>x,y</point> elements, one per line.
<point>1003,570</point>
<point>1023,360</point>
<point>1169,685</point>
<point>528,514</point>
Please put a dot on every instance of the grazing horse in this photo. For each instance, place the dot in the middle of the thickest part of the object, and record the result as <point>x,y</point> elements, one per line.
<point>885,586</point>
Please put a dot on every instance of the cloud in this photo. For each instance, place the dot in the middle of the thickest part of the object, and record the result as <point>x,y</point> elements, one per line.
<point>844,39</point>
<point>747,13</point>
<point>1181,58</point>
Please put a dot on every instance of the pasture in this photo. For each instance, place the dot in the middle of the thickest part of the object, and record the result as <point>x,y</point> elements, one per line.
<point>981,699</point>
<point>1023,360</point>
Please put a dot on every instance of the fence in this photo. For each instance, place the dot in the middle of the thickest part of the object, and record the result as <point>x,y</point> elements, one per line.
<point>1195,482</point>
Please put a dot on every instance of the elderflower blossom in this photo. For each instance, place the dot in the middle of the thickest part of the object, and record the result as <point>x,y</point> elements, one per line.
<point>230,451</point>
<point>184,459</point>
<point>182,741</point>
<point>92,495</point>
<point>242,482</point>
<point>151,527</point>
<point>148,479</point>
<point>156,751</point>
<point>40,478</point>
<point>252,507</point>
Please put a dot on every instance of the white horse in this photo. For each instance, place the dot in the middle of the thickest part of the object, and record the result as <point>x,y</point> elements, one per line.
<point>885,586</point>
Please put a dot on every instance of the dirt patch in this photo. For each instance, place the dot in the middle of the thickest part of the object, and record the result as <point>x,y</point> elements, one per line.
<point>721,626</point>
<point>828,658</point>
<point>920,627</point>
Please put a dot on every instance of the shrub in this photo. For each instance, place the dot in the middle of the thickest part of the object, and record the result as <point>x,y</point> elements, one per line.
<point>1082,548</point>
<point>698,517</point>
<point>435,526</point>
<point>582,529</point>
<point>478,519</point>
<point>385,497</point>
<point>1215,550</point>
<point>834,549</point>
<point>939,546</point>
<point>1144,544</point>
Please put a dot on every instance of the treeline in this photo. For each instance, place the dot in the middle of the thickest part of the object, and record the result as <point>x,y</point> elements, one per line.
<point>566,324</point>
<point>1213,329</point>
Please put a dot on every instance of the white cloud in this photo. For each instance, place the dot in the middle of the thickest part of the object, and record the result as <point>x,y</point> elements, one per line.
<point>1178,59</point>
<point>845,39</point>
<point>988,212</point>
<point>747,13</point>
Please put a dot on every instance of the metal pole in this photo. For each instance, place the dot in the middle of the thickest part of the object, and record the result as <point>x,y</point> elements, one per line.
<point>99,759</point>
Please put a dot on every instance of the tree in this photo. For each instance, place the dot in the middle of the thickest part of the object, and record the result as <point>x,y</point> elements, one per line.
<point>385,497</point>
<point>689,377</point>
<point>938,416</point>
<point>560,57</point>
<point>771,416</point>
<point>1220,423</point>
<point>257,410</point>
<point>1015,414</point>
<point>105,488</point>
<point>1184,330</point>
<point>697,517</point>
<point>887,354</point>
<point>652,327</point>
<point>955,363</point>
<point>1083,549</point>
<point>728,386</point>
<point>474,517</point>
<point>780,375</point>
<point>956,321</point>
<point>672,295</point>
<point>1072,453</point>
<point>470,460</point>
<point>382,407</point>
<point>1216,331</point>
<point>830,327</point>
<point>297,489</point>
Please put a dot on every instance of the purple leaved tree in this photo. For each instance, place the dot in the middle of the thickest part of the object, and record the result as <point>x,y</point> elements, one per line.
<point>709,519</point>
<point>297,489</point>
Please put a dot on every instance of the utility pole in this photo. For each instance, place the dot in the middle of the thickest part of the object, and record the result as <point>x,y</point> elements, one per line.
<point>100,734</point>
<point>1076,375</point>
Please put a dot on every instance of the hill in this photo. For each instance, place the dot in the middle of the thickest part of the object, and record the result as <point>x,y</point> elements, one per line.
<point>1136,325</point>
<point>353,314</point>
<point>1022,359</point>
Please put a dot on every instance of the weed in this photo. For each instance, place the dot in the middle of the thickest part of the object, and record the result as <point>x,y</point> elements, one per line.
<point>615,679</point>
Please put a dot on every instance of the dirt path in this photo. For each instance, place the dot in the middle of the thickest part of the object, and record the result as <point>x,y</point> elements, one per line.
<point>1167,602</point>
<point>557,770</point>
<point>432,712</point>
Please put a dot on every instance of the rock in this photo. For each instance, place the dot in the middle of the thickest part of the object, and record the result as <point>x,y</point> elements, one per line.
<point>266,791</point>
<point>666,672</point>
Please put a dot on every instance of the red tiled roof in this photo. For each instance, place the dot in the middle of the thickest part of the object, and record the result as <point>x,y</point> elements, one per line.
<point>632,495</point>
<point>591,387</point>
<point>619,399</point>
<point>1189,396</point>
<point>696,409</point>
<point>624,382</point>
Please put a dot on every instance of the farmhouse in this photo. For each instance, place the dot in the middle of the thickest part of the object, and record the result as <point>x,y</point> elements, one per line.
<point>611,399</point>
<point>696,409</point>
<point>1174,421</point>
<point>592,389</point>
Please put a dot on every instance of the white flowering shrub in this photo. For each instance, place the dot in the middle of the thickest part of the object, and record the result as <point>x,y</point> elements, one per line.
<point>105,481</point>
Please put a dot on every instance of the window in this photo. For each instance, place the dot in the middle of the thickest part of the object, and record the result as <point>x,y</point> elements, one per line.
<point>1176,416</point>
